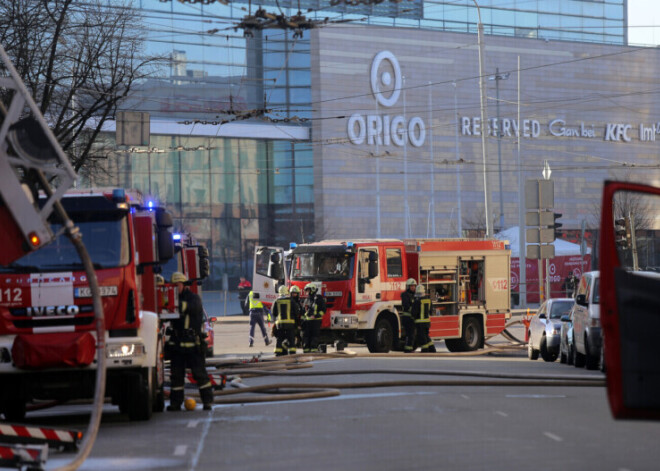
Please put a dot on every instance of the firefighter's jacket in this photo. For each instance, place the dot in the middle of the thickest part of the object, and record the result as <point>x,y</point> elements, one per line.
<point>407,301</point>
<point>314,308</point>
<point>287,312</point>
<point>186,331</point>
<point>421,310</point>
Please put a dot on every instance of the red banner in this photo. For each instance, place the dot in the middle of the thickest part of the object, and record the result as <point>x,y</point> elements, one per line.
<point>559,269</point>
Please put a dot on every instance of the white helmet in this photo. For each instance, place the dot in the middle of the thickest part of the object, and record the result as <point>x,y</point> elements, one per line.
<point>420,290</point>
<point>283,291</point>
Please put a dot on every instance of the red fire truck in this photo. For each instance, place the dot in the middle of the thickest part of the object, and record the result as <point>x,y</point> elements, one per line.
<point>362,281</point>
<point>47,334</point>
<point>191,259</point>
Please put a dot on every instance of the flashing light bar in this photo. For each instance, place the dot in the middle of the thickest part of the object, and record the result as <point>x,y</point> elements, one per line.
<point>176,237</point>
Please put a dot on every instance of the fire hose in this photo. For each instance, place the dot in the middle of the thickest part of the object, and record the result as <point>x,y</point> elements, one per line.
<point>298,391</point>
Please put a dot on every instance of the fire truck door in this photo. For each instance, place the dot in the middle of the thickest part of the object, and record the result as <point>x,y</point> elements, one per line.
<point>368,275</point>
<point>269,272</point>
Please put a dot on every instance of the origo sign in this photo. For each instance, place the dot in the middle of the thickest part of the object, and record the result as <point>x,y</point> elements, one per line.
<point>385,129</point>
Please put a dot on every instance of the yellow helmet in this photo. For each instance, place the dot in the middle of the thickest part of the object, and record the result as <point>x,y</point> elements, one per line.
<point>311,287</point>
<point>178,277</point>
<point>294,289</point>
<point>410,282</point>
<point>283,291</point>
<point>160,281</point>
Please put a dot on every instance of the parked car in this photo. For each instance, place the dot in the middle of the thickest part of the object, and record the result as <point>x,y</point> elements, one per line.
<point>566,340</point>
<point>545,327</point>
<point>207,329</point>
<point>585,315</point>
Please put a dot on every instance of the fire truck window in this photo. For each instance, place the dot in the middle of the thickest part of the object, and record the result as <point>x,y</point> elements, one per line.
<point>263,261</point>
<point>394,265</point>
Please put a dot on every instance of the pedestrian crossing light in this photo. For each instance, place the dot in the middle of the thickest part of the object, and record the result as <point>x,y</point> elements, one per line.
<point>556,225</point>
<point>621,235</point>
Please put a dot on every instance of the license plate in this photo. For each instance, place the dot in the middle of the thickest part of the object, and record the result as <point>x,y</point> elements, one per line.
<point>86,291</point>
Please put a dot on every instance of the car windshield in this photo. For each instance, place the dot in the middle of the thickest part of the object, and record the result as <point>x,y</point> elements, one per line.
<point>105,237</point>
<point>322,266</point>
<point>559,308</point>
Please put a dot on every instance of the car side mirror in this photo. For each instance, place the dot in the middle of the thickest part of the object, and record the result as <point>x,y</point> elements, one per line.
<point>581,299</point>
<point>565,318</point>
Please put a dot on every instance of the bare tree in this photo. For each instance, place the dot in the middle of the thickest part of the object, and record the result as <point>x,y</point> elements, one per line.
<point>79,60</point>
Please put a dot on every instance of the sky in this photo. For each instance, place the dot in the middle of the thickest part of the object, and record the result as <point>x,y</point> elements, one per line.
<point>644,21</point>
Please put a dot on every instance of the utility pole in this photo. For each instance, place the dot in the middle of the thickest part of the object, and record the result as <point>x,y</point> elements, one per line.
<point>497,77</point>
<point>484,122</point>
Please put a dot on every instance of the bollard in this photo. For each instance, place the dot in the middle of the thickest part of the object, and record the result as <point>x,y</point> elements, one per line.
<point>526,321</point>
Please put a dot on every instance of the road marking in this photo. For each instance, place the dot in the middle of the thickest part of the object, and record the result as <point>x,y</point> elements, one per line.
<point>180,450</point>
<point>202,440</point>
<point>465,396</point>
<point>193,423</point>
<point>554,437</point>
<point>503,414</point>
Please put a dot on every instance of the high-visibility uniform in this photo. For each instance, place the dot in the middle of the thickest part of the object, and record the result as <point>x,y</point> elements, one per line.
<point>187,350</point>
<point>421,312</point>
<point>311,326</point>
<point>286,310</point>
<point>407,323</point>
<point>257,317</point>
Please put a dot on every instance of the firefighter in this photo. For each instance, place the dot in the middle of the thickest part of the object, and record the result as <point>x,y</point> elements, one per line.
<point>187,346</point>
<point>314,308</point>
<point>257,310</point>
<point>285,311</point>
<point>421,312</point>
<point>407,300</point>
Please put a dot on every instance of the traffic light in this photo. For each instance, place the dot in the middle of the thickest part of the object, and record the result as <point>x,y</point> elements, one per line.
<point>621,234</point>
<point>556,224</point>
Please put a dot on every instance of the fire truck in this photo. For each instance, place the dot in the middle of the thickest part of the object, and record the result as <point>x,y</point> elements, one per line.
<point>47,334</point>
<point>362,281</point>
<point>191,259</point>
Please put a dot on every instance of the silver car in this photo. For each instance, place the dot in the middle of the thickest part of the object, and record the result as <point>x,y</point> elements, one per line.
<point>545,327</point>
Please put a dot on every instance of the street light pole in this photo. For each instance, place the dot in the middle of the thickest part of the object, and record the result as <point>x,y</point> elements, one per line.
<point>484,123</point>
<point>497,77</point>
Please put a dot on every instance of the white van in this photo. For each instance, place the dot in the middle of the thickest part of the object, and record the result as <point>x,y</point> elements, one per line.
<point>587,338</point>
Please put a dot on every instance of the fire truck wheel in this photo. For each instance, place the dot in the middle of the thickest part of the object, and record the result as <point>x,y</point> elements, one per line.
<point>381,338</point>
<point>472,337</point>
<point>142,387</point>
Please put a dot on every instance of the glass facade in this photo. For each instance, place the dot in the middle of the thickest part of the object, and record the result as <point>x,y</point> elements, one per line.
<point>235,192</point>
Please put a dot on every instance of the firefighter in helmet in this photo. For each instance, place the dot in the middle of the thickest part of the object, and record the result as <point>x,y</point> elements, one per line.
<point>421,313</point>
<point>314,308</point>
<point>407,300</point>
<point>186,346</point>
<point>285,311</point>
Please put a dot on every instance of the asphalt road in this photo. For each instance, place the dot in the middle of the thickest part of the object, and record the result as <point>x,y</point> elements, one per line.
<point>462,426</point>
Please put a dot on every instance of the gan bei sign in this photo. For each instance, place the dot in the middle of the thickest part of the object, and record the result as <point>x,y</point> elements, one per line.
<point>385,129</point>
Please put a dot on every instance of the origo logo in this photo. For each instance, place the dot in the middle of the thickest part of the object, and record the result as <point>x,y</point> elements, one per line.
<point>384,129</point>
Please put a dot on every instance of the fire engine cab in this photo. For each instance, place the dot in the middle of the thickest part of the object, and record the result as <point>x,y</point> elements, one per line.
<point>362,281</point>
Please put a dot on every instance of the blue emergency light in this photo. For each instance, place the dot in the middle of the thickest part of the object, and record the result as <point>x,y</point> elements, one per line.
<point>292,245</point>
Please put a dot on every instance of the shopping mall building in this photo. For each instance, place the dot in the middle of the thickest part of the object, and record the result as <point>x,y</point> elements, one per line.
<point>373,127</point>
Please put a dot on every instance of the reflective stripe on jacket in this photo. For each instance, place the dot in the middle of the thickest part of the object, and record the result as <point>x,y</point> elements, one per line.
<point>282,311</point>
<point>422,310</point>
<point>254,303</point>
